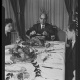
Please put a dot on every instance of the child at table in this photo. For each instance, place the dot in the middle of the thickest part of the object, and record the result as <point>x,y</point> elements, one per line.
<point>70,53</point>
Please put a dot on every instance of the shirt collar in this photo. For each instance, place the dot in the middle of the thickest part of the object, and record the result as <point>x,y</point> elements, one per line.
<point>42,26</point>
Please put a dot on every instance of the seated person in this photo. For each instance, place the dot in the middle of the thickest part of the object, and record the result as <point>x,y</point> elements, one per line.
<point>8,28</point>
<point>42,28</point>
<point>70,52</point>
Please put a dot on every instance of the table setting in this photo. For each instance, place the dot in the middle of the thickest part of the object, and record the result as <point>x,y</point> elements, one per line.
<point>43,61</point>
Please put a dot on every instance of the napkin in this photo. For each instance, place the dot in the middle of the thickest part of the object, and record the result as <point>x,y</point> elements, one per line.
<point>7,58</point>
<point>7,51</point>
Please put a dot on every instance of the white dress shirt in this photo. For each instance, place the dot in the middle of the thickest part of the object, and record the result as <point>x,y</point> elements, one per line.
<point>42,26</point>
<point>73,42</point>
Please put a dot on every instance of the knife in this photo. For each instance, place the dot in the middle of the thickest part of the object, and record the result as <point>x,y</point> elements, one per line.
<point>51,67</point>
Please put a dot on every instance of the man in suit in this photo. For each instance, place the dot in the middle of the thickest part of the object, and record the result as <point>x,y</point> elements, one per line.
<point>42,28</point>
<point>70,68</point>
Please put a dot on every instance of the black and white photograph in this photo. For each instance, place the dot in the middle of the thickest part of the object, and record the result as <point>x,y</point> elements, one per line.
<point>40,38</point>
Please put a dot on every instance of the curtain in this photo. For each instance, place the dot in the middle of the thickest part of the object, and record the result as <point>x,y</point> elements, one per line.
<point>16,13</point>
<point>69,4</point>
<point>18,7</point>
<point>22,21</point>
<point>56,10</point>
<point>71,8</point>
<point>9,13</point>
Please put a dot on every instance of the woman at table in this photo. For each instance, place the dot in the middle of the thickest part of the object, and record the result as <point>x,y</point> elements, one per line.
<point>8,29</point>
<point>70,53</point>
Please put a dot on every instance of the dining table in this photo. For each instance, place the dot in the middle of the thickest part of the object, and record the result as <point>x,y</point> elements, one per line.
<point>51,61</point>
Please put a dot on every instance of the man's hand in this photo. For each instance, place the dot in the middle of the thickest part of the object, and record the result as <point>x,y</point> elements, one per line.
<point>45,33</point>
<point>32,33</point>
<point>52,37</point>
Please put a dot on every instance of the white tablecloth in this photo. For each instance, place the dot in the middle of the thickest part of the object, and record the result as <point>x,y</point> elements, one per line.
<point>55,60</point>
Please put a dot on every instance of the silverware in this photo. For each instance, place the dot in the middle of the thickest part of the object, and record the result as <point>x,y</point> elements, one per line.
<point>51,67</point>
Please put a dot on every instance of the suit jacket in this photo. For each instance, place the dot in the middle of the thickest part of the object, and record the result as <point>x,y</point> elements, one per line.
<point>70,64</point>
<point>48,28</point>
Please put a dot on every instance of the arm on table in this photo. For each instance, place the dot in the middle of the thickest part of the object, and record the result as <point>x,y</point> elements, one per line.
<point>32,30</point>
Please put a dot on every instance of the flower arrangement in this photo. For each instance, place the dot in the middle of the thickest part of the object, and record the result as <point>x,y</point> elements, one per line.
<point>34,41</point>
<point>22,53</point>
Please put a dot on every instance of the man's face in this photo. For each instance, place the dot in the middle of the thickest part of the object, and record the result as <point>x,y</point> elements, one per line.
<point>8,27</point>
<point>43,19</point>
<point>69,34</point>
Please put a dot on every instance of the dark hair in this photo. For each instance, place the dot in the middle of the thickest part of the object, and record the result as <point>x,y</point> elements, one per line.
<point>72,26</point>
<point>8,20</point>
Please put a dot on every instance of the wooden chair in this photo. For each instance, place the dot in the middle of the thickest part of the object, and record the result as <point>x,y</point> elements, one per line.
<point>61,35</point>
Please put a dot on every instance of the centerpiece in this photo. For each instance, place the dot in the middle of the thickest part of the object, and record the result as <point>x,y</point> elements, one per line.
<point>24,50</point>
